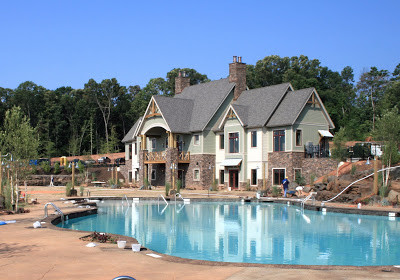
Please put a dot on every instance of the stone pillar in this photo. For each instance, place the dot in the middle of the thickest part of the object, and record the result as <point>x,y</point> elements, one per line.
<point>141,167</point>
<point>171,175</point>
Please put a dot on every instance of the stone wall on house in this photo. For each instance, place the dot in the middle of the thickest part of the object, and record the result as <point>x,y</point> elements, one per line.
<point>317,167</point>
<point>124,170</point>
<point>171,161</point>
<point>310,167</point>
<point>159,173</point>
<point>141,167</point>
<point>205,164</point>
<point>284,160</point>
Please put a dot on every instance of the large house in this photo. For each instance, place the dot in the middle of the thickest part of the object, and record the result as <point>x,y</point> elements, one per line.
<point>223,132</point>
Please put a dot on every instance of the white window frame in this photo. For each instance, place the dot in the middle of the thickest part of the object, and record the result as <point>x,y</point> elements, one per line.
<point>153,147</point>
<point>301,137</point>
<point>223,142</point>
<point>251,139</point>
<point>272,181</point>
<point>194,174</point>
<point>251,177</point>
<point>221,177</point>
<point>294,173</point>
<point>153,172</point>
<point>196,142</point>
<point>229,142</point>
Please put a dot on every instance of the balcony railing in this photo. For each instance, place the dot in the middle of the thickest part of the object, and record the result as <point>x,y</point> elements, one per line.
<point>184,156</point>
<point>155,156</point>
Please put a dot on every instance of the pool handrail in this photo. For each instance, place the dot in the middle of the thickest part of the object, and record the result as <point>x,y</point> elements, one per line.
<point>308,197</point>
<point>162,198</point>
<point>126,198</point>
<point>179,196</point>
<point>56,208</point>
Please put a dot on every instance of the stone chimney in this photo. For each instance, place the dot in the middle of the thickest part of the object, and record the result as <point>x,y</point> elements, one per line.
<point>181,82</point>
<point>237,74</point>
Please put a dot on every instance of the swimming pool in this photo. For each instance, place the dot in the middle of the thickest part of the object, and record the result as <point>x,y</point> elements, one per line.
<point>268,233</point>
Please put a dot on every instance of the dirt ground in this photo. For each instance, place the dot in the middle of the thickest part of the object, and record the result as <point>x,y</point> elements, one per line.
<point>46,253</point>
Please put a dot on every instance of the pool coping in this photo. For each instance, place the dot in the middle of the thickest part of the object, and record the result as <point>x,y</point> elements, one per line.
<point>53,220</point>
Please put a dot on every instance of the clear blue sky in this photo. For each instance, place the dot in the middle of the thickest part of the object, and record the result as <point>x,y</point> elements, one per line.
<point>65,43</point>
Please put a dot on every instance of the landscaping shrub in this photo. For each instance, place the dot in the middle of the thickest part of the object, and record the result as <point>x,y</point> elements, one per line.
<point>57,168</point>
<point>45,167</point>
<point>167,188</point>
<point>81,190</point>
<point>276,191</point>
<point>68,189</point>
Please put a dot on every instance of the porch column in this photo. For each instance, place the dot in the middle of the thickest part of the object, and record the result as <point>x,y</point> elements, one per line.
<point>142,171</point>
<point>144,144</point>
<point>171,166</point>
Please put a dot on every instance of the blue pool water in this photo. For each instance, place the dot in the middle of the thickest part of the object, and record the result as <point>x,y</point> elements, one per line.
<point>268,233</point>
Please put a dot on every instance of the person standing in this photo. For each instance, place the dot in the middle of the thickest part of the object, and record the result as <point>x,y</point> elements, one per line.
<point>285,186</point>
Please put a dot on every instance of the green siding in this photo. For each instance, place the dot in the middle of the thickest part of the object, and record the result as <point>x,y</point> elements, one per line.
<point>208,142</point>
<point>189,143</point>
<point>220,111</point>
<point>312,115</point>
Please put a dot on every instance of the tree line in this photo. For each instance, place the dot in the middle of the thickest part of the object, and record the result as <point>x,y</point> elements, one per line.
<point>94,119</point>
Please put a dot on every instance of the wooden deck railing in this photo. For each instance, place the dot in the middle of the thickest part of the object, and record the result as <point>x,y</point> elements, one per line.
<point>155,156</point>
<point>184,156</point>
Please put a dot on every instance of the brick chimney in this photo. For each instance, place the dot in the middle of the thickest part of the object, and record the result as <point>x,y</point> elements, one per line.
<point>237,74</point>
<point>181,82</point>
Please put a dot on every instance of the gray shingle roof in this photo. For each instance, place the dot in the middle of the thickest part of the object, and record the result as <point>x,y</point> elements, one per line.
<point>260,103</point>
<point>290,107</point>
<point>129,137</point>
<point>207,98</point>
<point>177,112</point>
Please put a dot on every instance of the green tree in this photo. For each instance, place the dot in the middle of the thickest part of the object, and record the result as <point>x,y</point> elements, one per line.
<point>388,131</point>
<point>106,94</point>
<point>339,152</point>
<point>371,87</point>
<point>18,137</point>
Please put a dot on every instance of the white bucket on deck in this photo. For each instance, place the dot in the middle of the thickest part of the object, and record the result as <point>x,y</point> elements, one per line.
<point>135,247</point>
<point>121,244</point>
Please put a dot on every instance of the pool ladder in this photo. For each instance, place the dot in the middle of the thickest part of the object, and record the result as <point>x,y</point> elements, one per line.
<point>56,208</point>
<point>126,198</point>
<point>310,196</point>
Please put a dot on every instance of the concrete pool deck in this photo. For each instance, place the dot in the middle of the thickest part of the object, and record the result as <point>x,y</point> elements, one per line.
<point>45,253</point>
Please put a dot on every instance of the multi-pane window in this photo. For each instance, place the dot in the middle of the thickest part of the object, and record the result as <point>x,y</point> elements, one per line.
<point>153,144</point>
<point>298,137</point>
<point>221,177</point>
<point>221,141</point>
<point>196,175</point>
<point>135,148</point>
<point>254,176</point>
<point>278,176</point>
<point>254,139</point>
<point>196,139</point>
<point>166,142</point>
<point>130,151</point>
<point>279,140</point>
<point>234,142</point>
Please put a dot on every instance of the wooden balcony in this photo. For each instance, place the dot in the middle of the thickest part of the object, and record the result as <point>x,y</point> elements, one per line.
<point>161,157</point>
<point>155,157</point>
<point>184,157</point>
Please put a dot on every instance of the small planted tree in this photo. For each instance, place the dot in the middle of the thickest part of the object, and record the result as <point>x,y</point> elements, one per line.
<point>388,131</point>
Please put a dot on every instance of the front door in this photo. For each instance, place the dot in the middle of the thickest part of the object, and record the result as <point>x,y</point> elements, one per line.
<point>234,179</point>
